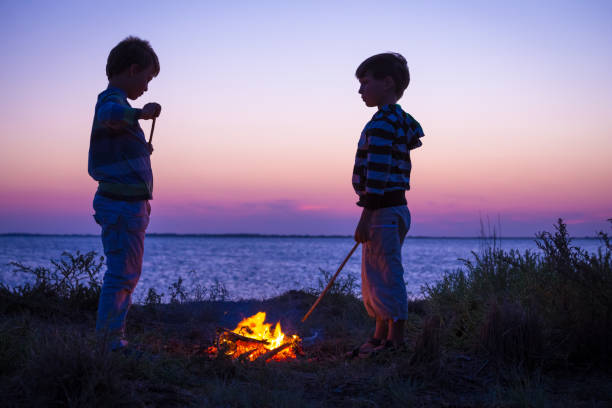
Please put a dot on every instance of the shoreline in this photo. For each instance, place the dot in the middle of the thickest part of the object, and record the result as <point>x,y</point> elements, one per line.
<point>306,236</point>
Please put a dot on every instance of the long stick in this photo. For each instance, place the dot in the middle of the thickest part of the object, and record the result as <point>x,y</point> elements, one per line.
<point>152,129</point>
<point>331,282</point>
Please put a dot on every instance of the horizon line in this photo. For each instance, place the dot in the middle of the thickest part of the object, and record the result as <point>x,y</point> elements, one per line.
<point>257,235</point>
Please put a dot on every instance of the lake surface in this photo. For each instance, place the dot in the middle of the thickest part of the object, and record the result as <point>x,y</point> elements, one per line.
<point>254,267</point>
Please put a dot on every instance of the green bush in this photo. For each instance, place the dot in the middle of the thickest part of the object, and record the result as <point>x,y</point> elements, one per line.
<point>343,285</point>
<point>72,282</point>
<point>554,305</point>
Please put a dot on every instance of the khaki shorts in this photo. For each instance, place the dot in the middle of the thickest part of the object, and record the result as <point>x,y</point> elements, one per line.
<point>382,274</point>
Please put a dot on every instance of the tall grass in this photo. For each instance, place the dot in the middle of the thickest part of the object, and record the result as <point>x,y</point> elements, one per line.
<point>72,283</point>
<point>532,308</point>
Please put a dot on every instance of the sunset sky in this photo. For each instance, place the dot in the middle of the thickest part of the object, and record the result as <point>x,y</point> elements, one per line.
<point>261,114</point>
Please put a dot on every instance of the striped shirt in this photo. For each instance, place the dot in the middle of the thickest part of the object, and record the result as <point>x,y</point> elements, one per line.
<point>119,155</point>
<point>382,164</point>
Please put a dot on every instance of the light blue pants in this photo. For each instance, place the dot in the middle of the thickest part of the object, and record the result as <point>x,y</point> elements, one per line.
<point>382,275</point>
<point>123,231</point>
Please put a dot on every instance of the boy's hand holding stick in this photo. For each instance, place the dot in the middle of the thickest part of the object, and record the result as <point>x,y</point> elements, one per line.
<point>331,282</point>
<point>361,232</point>
<point>151,111</point>
<point>152,129</point>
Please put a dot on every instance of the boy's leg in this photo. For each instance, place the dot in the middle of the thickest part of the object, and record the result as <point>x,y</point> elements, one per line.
<point>382,329</point>
<point>123,241</point>
<point>396,327</point>
<point>383,287</point>
<point>396,332</point>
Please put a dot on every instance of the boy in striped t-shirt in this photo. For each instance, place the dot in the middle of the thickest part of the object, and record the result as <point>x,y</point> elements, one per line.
<point>381,175</point>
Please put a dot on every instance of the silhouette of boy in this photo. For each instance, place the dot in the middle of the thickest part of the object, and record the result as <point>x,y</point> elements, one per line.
<point>381,176</point>
<point>119,161</point>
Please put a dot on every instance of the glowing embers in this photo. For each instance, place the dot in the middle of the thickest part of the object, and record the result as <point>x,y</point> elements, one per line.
<point>253,339</point>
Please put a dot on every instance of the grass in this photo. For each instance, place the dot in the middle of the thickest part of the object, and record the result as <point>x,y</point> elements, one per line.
<point>508,329</point>
<point>534,309</point>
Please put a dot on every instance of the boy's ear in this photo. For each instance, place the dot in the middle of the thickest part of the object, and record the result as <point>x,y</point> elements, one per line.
<point>389,82</point>
<point>134,69</point>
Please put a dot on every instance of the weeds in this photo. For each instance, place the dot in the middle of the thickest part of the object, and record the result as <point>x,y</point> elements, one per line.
<point>217,292</point>
<point>553,306</point>
<point>178,294</point>
<point>343,285</point>
<point>73,281</point>
<point>153,298</point>
<point>177,291</point>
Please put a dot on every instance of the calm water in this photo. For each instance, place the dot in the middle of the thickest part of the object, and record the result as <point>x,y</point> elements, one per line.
<point>253,267</point>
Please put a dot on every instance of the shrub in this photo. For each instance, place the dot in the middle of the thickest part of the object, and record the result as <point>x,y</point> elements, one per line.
<point>217,292</point>
<point>153,298</point>
<point>72,282</point>
<point>512,334</point>
<point>177,291</point>
<point>515,305</point>
<point>576,296</point>
<point>343,285</point>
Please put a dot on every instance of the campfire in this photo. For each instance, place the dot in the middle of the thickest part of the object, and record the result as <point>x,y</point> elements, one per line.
<point>254,340</point>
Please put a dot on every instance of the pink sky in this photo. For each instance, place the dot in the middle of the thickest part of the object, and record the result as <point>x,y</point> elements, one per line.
<point>261,115</point>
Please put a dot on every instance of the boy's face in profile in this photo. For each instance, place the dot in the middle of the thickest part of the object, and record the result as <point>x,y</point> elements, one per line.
<point>138,80</point>
<point>374,91</point>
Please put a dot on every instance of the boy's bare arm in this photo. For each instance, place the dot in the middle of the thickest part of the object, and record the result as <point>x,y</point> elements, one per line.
<point>112,113</point>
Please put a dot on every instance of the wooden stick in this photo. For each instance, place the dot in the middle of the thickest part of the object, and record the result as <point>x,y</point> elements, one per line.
<point>235,336</point>
<point>269,354</point>
<point>331,282</point>
<point>245,356</point>
<point>152,129</point>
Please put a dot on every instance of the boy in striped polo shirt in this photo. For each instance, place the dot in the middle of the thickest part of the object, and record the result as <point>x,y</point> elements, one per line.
<point>381,176</point>
<point>119,161</point>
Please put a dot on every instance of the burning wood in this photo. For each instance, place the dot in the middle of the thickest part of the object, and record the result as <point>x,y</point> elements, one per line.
<point>229,335</point>
<point>270,354</point>
<point>253,339</point>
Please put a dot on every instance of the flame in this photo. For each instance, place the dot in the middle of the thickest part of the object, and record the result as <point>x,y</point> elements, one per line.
<point>256,328</point>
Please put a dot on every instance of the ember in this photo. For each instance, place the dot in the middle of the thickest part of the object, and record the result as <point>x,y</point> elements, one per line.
<point>253,339</point>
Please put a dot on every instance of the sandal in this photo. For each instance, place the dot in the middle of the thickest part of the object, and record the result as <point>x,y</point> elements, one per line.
<point>366,348</point>
<point>388,346</point>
